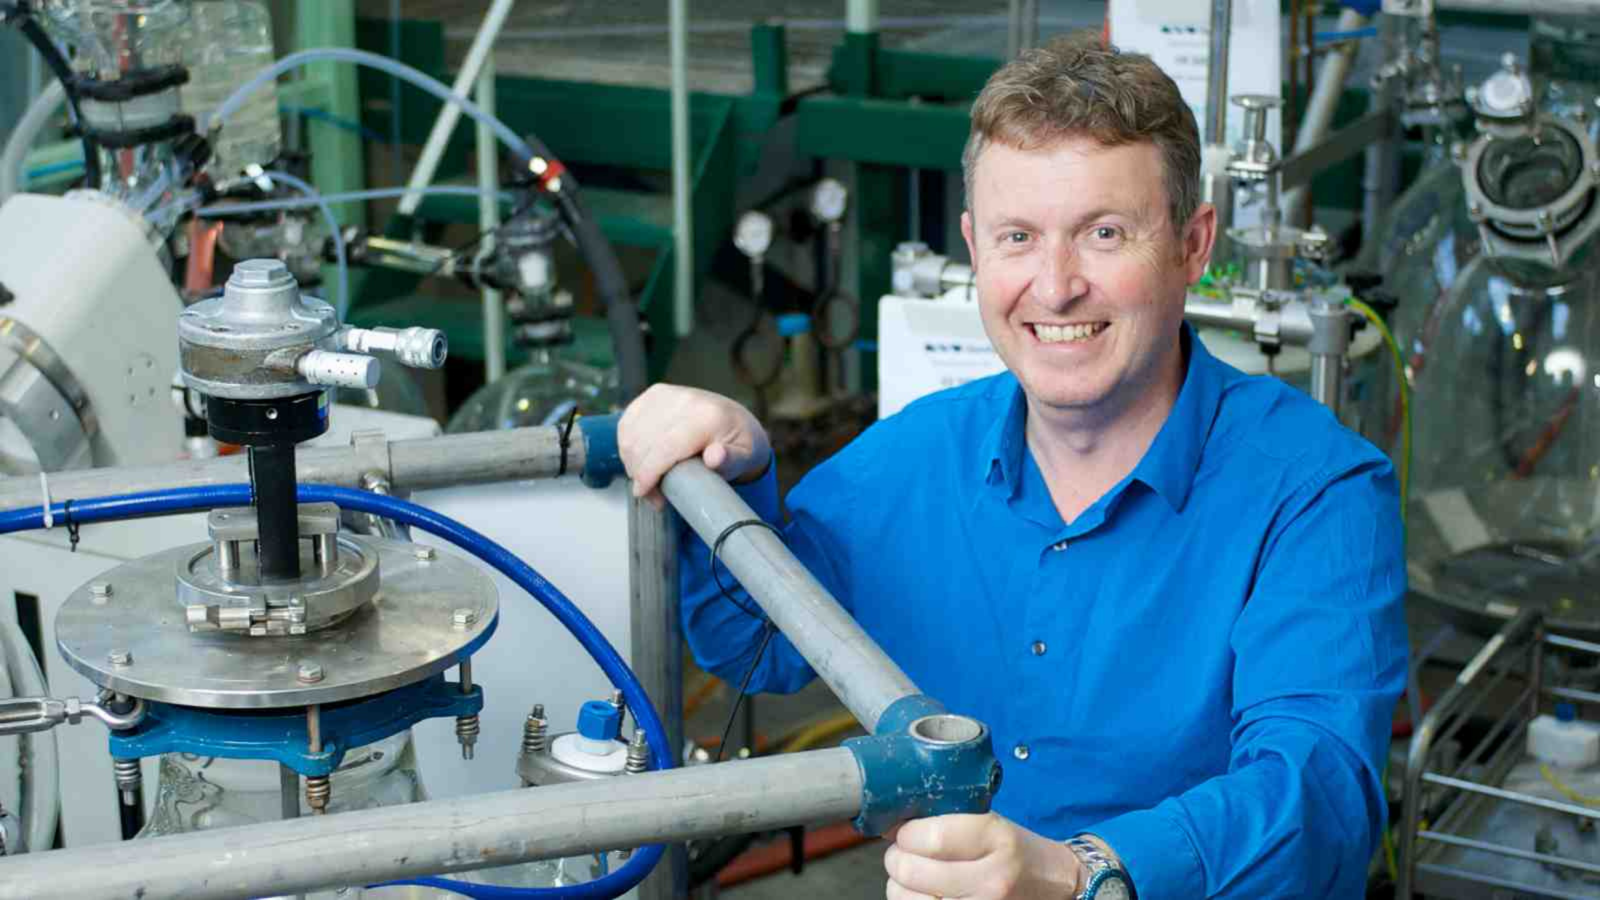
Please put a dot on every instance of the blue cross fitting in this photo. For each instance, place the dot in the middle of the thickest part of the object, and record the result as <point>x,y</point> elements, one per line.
<point>280,734</point>
<point>923,761</point>
<point>602,460</point>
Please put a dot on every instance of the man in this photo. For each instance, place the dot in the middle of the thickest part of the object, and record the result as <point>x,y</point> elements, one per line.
<point>1171,590</point>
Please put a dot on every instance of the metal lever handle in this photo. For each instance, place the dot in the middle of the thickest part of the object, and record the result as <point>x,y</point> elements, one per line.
<point>25,715</point>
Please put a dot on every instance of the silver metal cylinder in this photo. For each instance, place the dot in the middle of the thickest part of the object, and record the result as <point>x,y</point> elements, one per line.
<point>861,675</point>
<point>346,370</point>
<point>1327,379</point>
<point>441,836</point>
<point>1217,72</point>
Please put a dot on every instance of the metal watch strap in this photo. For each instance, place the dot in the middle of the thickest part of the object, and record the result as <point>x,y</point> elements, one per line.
<point>1092,858</point>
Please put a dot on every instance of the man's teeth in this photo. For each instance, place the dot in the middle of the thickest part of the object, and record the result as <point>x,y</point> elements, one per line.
<point>1054,334</point>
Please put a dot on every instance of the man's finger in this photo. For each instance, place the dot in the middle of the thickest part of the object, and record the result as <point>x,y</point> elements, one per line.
<point>952,838</point>
<point>939,878</point>
<point>892,891</point>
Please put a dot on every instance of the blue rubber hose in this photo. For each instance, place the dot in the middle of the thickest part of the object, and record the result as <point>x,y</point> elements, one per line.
<point>155,503</point>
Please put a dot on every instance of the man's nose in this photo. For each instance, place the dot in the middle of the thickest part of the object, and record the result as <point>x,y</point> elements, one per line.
<point>1060,279</point>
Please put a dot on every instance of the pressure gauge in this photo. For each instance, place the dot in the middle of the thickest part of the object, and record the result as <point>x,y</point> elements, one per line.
<point>828,200</point>
<point>753,234</point>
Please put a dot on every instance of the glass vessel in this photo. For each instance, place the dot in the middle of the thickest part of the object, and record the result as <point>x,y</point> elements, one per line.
<point>227,43</point>
<point>544,391</point>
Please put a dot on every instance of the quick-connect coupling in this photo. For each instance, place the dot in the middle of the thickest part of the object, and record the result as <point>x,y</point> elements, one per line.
<point>923,761</point>
<point>419,348</point>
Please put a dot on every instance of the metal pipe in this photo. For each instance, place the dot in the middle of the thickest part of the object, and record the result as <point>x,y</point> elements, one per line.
<point>655,640</point>
<point>1327,379</point>
<point>861,16</point>
<point>447,460</point>
<point>459,834</point>
<point>862,676</point>
<point>1217,72</point>
<point>433,150</point>
<point>682,213</point>
<point>494,312</point>
<point>1320,107</point>
<point>1013,29</point>
<point>1030,24</point>
<point>1524,7</point>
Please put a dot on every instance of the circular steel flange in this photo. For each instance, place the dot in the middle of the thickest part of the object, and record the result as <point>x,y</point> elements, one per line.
<point>408,632</point>
<point>309,604</point>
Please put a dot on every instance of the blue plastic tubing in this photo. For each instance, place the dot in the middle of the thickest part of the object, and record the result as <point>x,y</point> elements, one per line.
<point>156,503</point>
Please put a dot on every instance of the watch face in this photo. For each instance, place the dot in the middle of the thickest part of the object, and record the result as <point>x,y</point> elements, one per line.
<point>1112,888</point>
<point>753,234</point>
<point>828,200</point>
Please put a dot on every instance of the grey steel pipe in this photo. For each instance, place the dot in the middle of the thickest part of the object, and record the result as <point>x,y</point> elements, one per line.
<point>655,643</point>
<point>1318,116</point>
<point>453,835</point>
<point>861,675</point>
<point>1217,72</point>
<point>451,459</point>
<point>1293,326</point>
<point>1327,379</point>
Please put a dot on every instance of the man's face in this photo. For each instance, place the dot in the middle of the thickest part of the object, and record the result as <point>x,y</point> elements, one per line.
<point>1081,278</point>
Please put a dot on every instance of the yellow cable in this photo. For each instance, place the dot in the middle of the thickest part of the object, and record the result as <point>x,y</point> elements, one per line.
<point>812,735</point>
<point>1567,792</point>
<point>1405,399</point>
<point>1388,834</point>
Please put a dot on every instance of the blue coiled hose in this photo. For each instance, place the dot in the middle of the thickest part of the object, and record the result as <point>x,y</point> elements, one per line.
<point>155,503</point>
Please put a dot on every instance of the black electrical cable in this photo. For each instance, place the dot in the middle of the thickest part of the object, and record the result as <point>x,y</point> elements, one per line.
<point>767,631</point>
<point>716,550</point>
<point>25,22</point>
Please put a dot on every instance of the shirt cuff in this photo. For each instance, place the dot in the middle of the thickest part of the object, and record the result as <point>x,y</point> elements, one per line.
<point>762,494</point>
<point>1156,853</point>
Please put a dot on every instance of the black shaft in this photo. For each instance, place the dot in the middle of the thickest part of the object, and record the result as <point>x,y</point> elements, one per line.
<point>277,513</point>
<point>131,815</point>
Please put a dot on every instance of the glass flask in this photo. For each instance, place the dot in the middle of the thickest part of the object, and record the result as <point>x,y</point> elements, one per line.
<point>1505,494</point>
<point>227,43</point>
<point>1564,61</point>
<point>544,391</point>
<point>198,793</point>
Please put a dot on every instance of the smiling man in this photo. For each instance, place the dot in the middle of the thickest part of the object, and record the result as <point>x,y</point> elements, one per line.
<point>1172,591</point>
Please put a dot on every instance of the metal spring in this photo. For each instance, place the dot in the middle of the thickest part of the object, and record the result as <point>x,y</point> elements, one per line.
<point>534,730</point>
<point>318,792</point>
<point>467,734</point>
<point>638,754</point>
<point>129,775</point>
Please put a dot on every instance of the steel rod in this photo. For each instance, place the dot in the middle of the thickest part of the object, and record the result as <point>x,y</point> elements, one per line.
<point>1587,812</point>
<point>413,464</point>
<point>455,835</point>
<point>861,675</point>
<point>1217,72</point>
<point>655,644</point>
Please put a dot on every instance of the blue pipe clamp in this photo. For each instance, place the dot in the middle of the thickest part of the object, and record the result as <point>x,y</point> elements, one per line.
<point>923,761</point>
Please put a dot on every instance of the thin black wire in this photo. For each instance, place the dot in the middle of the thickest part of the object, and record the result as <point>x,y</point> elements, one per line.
<point>767,631</point>
<point>483,235</point>
<point>716,549</point>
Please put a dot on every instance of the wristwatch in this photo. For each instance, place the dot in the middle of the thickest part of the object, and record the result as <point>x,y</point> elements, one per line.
<point>1107,880</point>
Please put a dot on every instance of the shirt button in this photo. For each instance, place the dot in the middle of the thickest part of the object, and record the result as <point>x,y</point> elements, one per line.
<point>1039,648</point>
<point>1020,751</point>
<point>1059,546</point>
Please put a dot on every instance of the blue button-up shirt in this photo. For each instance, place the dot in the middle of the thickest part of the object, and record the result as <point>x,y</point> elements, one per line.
<point>1200,669</point>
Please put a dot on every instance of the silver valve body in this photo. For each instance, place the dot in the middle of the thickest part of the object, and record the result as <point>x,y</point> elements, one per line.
<point>264,340</point>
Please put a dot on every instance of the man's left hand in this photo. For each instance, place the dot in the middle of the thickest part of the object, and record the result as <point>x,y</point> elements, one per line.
<point>985,857</point>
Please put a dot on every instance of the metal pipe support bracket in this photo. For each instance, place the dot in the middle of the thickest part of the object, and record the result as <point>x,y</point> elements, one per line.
<point>923,761</point>
<point>281,735</point>
<point>602,459</point>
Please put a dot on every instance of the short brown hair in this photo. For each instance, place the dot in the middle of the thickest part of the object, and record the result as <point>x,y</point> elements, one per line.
<point>1078,85</point>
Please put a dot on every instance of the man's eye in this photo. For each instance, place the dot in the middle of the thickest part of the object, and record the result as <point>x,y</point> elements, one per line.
<point>1107,233</point>
<point>1015,237</point>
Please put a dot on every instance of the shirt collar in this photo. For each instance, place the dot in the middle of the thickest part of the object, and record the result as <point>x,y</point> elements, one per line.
<point>1168,467</point>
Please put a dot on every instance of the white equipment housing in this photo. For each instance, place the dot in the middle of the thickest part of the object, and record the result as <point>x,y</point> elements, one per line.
<point>87,353</point>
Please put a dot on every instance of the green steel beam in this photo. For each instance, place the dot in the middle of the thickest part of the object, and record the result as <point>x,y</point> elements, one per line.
<point>884,132</point>
<point>338,162</point>
<point>898,74</point>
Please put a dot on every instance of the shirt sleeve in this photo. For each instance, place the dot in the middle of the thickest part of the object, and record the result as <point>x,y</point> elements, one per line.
<point>1320,654</point>
<point>724,633</point>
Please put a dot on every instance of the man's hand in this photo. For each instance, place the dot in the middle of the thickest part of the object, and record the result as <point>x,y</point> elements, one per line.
<point>985,857</point>
<point>668,424</point>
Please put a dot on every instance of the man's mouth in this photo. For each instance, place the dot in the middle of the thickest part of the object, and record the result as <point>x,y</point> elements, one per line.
<point>1068,334</point>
